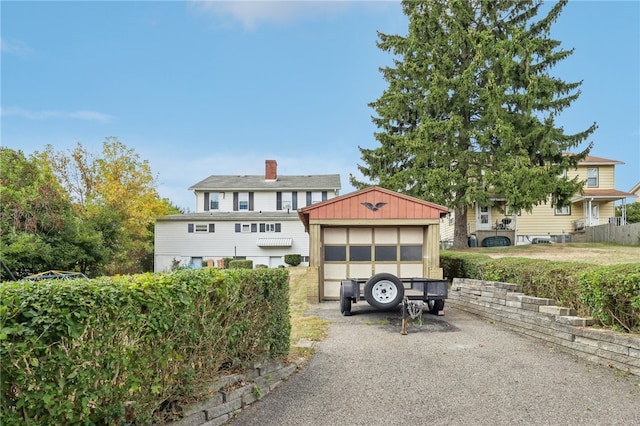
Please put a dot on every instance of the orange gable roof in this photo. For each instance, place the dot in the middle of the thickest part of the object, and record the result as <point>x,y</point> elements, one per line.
<point>372,203</point>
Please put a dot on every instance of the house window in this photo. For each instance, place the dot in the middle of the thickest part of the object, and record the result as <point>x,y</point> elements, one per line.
<point>592,177</point>
<point>286,201</point>
<point>201,228</point>
<point>316,197</point>
<point>243,201</point>
<point>484,215</point>
<point>214,203</point>
<point>267,227</point>
<point>563,211</point>
<point>246,227</point>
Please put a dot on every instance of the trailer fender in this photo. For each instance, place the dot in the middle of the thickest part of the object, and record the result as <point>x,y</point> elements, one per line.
<point>350,289</point>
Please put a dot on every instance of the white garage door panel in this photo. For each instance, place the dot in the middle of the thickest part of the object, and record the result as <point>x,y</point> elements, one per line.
<point>387,268</point>
<point>333,271</point>
<point>411,271</point>
<point>360,236</point>
<point>332,289</point>
<point>386,236</point>
<point>335,236</point>
<point>411,235</point>
<point>359,271</point>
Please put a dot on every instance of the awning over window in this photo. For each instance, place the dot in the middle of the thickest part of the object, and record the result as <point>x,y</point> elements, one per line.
<point>274,242</point>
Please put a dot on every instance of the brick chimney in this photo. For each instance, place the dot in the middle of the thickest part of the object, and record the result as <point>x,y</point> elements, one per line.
<point>271,170</point>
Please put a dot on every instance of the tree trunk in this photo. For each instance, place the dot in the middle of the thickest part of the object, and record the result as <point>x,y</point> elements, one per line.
<point>460,237</point>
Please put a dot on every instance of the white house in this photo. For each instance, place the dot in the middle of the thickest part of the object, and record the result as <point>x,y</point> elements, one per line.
<point>250,217</point>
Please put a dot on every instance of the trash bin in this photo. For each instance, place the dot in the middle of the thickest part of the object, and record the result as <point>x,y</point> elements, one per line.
<point>473,241</point>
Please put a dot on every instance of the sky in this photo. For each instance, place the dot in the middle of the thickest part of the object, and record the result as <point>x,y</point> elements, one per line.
<point>204,88</point>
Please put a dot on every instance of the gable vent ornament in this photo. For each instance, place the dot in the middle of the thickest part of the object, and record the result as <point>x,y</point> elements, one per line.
<point>372,207</point>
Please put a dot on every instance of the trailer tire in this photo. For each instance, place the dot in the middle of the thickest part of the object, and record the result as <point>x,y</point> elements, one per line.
<point>384,291</point>
<point>435,306</point>
<point>345,302</point>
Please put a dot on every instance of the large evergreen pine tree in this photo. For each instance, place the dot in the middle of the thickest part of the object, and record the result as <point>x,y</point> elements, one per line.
<point>470,109</point>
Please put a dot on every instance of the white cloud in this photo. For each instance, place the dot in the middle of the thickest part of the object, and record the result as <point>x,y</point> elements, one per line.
<point>46,115</point>
<point>252,13</point>
<point>14,47</point>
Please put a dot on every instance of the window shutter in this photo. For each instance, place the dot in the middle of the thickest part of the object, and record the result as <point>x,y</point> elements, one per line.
<point>251,201</point>
<point>278,200</point>
<point>190,227</point>
<point>212,227</point>
<point>206,201</point>
<point>308,198</point>
<point>238,227</point>
<point>235,202</point>
<point>254,227</point>
<point>294,200</point>
<point>324,195</point>
<point>262,227</point>
<point>278,227</point>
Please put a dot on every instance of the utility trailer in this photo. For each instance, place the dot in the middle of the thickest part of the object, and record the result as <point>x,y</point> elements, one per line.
<point>385,291</point>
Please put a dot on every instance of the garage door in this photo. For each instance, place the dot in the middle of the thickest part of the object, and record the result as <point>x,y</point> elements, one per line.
<point>360,252</point>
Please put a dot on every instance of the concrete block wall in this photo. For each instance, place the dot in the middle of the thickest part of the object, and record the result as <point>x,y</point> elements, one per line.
<point>231,393</point>
<point>542,319</point>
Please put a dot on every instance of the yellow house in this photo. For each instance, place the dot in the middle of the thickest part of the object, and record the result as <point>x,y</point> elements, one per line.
<point>497,225</point>
<point>636,191</point>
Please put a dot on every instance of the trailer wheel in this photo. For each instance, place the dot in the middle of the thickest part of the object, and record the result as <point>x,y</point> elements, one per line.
<point>384,291</point>
<point>435,306</point>
<point>345,303</point>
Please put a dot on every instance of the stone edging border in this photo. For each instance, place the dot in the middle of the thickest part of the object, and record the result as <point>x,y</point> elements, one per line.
<point>539,318</point>
<point>231,393</point>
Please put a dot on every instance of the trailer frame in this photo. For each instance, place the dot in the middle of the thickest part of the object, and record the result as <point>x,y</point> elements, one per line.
<point>432,291</point>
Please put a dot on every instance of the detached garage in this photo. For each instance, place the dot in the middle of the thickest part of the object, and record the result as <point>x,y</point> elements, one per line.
<point>372,231</point>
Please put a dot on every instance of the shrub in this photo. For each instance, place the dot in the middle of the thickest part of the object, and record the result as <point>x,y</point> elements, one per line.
<point>613,295</point>
<point>241,264</point>
<point>292,259</point>
<point>226,261</point>
<point>610,294</point>
<point>76,352</point>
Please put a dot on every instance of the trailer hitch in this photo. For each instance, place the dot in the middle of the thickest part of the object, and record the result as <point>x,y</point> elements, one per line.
<point>413,309</point>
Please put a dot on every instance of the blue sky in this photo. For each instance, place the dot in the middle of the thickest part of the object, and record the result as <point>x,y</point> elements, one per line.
<point>202,88</point>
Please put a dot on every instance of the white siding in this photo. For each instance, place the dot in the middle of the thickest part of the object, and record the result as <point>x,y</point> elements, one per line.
<point>172,241</point>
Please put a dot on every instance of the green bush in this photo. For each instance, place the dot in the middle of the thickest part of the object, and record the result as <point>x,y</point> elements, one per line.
<point>292,259</point>
<point>112,350</point>
<point>613,295</point>
<point>241,264</point>
<point>609,294</point>
<point>226,261</point>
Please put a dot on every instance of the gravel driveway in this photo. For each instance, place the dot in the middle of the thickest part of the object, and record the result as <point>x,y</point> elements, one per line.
<point>453,370</point>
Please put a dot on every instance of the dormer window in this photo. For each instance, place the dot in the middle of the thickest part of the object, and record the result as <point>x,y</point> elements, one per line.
<point>592,177</point>
<point>214,203</point>
<point>243,201</point>
<point>286,201</point>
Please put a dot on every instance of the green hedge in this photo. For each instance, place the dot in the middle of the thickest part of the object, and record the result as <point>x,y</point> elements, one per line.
<point>609,294</point>
<point>292,259</point>
<point>241,264</point>
<point>120,350</point>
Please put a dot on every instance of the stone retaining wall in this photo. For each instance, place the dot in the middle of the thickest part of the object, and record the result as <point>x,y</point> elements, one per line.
<point>540,318</point>
<point>231,393</point>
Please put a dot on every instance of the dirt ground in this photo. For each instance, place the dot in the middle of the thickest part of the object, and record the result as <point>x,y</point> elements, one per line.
<point>596,253</point>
